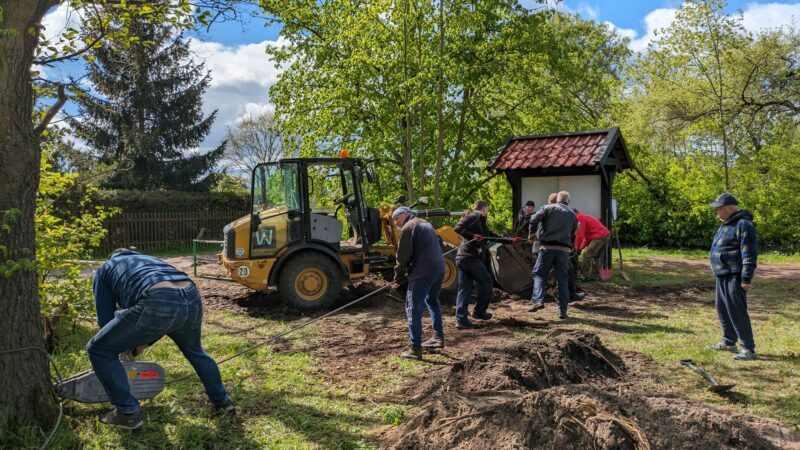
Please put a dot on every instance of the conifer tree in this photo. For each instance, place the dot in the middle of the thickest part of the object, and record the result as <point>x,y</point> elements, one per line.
<point>148,116</point>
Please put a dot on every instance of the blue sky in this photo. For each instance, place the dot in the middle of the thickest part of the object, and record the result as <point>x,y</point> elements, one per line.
<point>242,74</point>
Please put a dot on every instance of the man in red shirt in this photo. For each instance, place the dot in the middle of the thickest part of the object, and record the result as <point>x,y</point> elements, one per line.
<point>592,237</point>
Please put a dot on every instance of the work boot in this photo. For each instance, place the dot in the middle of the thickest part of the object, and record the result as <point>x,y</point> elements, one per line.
<point>535,307</point>
<point>563,316</point>
<point>482,315</point>
<point>464,324</point>
<point>227,408</point>
<point>412,353</point>
<point>745,355</point>
<point>434,342</point>
<point>126,421</point>
<point>722,346</point>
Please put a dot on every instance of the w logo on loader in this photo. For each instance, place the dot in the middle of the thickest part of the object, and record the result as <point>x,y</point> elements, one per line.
<point>264,238</point>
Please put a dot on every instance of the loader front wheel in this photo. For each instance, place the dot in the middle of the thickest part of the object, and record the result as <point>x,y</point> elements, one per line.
<point>310,282</point>
<point>450,280</point>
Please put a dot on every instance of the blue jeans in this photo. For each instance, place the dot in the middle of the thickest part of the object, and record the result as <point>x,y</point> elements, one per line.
<point>177,313</point>
<point>731,303</point>
<point>424,290</point>
<point>469,270</point>
<point>559,261</point>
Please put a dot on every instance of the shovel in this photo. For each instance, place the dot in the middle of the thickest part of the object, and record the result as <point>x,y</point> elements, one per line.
<point>715,385</point>
<point>619,247</point>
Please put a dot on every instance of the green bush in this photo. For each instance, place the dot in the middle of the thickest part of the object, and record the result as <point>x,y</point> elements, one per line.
<point>62,240</point>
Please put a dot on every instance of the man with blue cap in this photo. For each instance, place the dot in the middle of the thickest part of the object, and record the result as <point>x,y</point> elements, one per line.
<point>419,260</point>
<point>733,260</point>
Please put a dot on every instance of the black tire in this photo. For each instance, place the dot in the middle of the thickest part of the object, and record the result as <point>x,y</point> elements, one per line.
<point>310,281</point>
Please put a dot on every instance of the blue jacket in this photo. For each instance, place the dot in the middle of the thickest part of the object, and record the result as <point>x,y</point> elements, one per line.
<point>419,250</point>
<point>734,250</point>
<point>124,278</point>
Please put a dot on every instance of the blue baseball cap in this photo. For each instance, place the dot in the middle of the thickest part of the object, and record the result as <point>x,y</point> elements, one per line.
<point>724,200</point>
<point>402,210</point>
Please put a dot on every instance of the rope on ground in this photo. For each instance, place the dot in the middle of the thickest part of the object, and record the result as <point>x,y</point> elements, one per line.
<point>307,323</point>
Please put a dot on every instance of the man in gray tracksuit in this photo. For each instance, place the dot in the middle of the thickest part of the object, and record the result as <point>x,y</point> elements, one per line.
<point>555,225</point>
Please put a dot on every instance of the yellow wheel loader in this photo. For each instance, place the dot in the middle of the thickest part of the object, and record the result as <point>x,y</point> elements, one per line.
<point>310,232</point>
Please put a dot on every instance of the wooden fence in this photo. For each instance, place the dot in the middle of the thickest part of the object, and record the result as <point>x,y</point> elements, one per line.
<point>160,230</point>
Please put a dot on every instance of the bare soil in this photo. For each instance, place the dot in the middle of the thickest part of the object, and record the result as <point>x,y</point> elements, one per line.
<point>768,271</point>
<point>489,389</point>
<point>569,392</point>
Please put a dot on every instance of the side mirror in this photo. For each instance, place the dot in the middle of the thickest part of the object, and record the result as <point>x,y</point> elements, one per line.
<point>372,177</point>
<point>423,200</point>
<point>294,214</point>
<point>400,200</point>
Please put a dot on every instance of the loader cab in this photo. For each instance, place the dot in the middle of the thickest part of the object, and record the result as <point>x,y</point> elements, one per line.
<point>308,232</point>
<point>309,200</point>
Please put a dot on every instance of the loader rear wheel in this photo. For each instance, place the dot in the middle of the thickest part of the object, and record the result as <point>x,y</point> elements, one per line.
<point>450,280</point>
<point>310,281</point>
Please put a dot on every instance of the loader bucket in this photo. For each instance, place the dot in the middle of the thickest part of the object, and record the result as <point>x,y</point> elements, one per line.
<point>511,266</point>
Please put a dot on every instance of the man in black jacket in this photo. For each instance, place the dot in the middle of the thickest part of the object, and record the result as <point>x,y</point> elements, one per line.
<point>555,225</point>
<point>471,266</point>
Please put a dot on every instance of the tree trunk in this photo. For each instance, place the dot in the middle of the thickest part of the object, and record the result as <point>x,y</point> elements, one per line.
<point>25,392</point>
<point>437,174</point>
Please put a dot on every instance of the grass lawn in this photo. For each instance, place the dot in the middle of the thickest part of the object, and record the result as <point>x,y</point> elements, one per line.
<point>285,400</point>
<point>635,253</point>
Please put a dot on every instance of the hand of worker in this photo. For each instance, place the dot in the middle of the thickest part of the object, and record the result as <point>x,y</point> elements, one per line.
<point>746,286</point>
<point>516,240</point>
<point>477,237</point>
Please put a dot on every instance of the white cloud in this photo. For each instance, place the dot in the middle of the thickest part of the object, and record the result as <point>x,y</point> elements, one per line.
<point>59,19</point>
<point>770,15</point>
<point>655,20</point>
<point>240,80</point>
<point>588,11</point>
<point>756,17</point>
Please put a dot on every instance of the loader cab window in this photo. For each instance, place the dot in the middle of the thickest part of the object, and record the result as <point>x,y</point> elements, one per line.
<point>276,197</point>
<point>276,186</point>
<point>332,199</point>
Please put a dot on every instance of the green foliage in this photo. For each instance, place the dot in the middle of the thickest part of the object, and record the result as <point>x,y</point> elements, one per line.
<point>62,239</point>
<point>148,116</point>
<point>227,183</point>
<point>11,262</point>
<point>712,108</point>
<point>427,94</point>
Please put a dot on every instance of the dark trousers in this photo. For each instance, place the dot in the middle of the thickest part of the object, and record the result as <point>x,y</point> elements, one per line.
<point>424,291</point>
<point>559,261</point>
<point>177,313</point>
<point>731,303</point>
<point>472,270</point>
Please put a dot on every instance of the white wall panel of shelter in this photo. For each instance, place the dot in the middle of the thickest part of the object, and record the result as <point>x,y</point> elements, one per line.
<point>585,190</point>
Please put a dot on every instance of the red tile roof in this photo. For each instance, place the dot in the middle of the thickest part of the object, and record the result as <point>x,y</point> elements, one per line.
<point>570,150</point>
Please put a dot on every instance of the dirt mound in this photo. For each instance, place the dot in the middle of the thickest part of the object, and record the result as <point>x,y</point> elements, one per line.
<point>581,416</point>
<point>567,393</point>
<point>530,365</point>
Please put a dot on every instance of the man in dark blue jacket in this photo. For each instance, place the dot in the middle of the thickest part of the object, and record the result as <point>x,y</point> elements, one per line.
<point>140,299</point>
<point>419,260</point>
<point>733,259</point>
